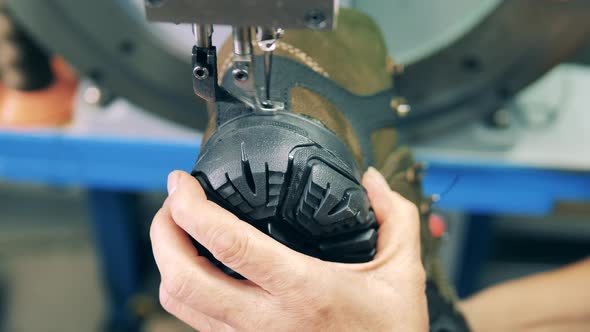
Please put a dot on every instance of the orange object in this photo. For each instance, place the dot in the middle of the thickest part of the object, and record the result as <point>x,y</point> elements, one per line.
<point>437,225</point>
<point>49,107</point>
<point>64,71</point>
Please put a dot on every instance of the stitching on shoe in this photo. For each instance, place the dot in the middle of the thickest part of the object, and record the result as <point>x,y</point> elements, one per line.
<point>303,57</point>
<point>292,50</point>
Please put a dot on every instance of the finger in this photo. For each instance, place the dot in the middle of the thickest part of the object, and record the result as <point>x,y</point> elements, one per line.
<point>193,280</point>
<point>235,243</point>
<point>196,319</point>
<point>399,221</point>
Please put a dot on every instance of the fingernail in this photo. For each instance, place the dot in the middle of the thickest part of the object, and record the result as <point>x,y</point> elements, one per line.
<point>376,177</point>
<point>172,181</point>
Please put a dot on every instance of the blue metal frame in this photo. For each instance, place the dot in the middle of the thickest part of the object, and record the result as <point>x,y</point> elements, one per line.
<point>93,162</point>
<point>503,188</point>
<point>142,164</point>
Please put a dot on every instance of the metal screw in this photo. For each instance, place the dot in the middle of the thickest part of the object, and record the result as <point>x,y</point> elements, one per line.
<point>201,73</point>
<point>154,3</point>
<point>401,106</point>
<point>97,96</point>
<point>403,110</point>
<point>240,74</point>
<point>92,95</point>
<point>315,19</point>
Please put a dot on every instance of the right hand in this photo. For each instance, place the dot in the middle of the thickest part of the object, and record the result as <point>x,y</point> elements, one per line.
<point>286,290</point>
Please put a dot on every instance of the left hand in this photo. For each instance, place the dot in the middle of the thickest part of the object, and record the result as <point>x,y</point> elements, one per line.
<point>286,290</point>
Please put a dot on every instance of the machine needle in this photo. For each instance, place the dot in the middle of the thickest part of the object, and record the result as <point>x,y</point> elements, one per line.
<point>267,69</point>
<point>267,40</point>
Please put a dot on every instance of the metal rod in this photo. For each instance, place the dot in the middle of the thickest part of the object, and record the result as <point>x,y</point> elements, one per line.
<point>203,33</point>
<point>267,41</point>
<point>242,40</point>
<point>267,70</point>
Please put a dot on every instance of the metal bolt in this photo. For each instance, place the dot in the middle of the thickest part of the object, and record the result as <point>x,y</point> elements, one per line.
<point>315,19</point>
<point>200,72</point>
<point>401,106</point>
<point>92,95</point>
<point>97,96</point>
<point>240,74</point>
<point>403,110</point>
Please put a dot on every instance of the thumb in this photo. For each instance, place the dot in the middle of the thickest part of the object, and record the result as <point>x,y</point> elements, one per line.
<point>398,218</point>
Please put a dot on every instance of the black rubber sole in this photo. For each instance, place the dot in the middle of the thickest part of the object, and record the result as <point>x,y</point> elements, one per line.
<point>294,180</point>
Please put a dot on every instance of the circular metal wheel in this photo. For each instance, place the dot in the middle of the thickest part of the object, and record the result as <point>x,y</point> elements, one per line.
<point>481,71</point>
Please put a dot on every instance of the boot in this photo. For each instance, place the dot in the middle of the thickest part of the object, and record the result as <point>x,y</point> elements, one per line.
<point>353,57</point>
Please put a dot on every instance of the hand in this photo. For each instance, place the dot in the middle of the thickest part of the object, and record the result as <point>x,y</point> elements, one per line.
<point>286,290</point>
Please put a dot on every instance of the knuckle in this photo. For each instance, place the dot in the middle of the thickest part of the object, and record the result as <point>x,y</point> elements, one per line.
<point>206,326</point>
<point>179,285</point>
<point>167,302</point>
<point>229,247</point>
<point>300,277</point>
